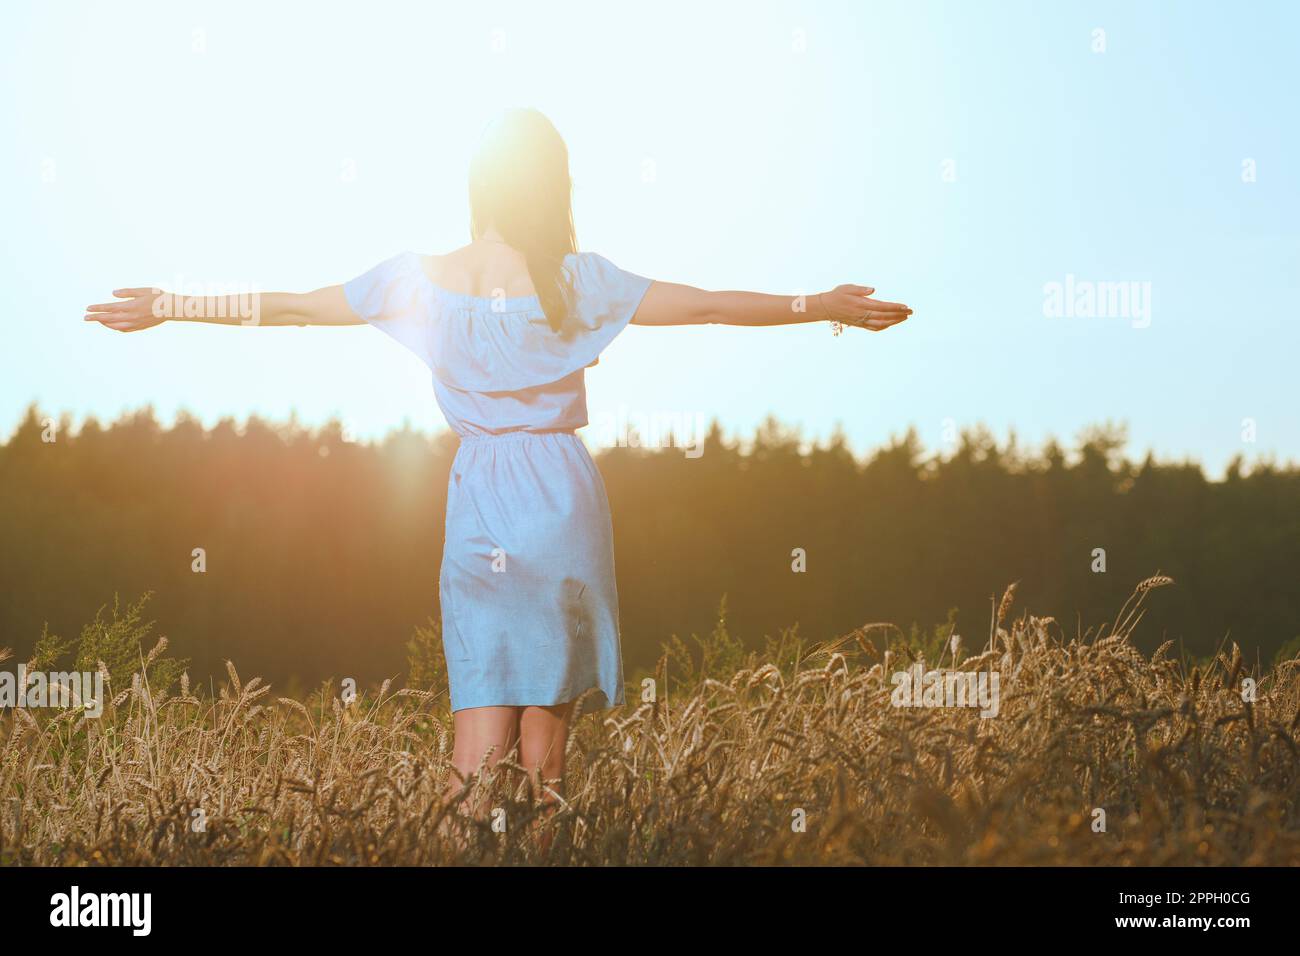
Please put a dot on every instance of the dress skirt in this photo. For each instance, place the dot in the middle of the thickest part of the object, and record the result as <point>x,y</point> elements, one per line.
<point>529,603</point>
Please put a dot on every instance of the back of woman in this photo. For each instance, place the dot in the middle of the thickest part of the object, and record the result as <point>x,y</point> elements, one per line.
<point>507,327</point>
<point>529,605</point>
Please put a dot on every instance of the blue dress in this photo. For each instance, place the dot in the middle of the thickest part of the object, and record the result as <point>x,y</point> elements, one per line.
<point>529,604</point>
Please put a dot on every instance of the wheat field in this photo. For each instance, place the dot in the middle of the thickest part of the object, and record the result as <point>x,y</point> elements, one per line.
<point>795,755</point>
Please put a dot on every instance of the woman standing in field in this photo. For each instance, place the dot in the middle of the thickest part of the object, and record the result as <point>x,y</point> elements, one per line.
<point>507,325</point>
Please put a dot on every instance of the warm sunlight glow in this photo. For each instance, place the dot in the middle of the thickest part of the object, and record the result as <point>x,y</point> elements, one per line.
<point>255,145</point>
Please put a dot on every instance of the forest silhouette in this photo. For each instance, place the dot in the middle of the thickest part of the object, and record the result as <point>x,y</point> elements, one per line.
<point>321,555</point>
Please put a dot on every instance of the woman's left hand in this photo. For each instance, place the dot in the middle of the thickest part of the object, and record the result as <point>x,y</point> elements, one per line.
<point>142,309</point>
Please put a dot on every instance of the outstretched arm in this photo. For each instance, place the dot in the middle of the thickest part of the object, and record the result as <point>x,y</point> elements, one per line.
<point>667,303</point>
<point>145,308</point>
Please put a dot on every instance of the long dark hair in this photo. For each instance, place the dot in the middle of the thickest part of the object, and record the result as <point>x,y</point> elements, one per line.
<point>519,183</point>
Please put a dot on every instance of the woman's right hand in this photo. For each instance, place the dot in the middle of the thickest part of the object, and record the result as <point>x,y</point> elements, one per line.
<point>142,309</point>
<point>853,305</point>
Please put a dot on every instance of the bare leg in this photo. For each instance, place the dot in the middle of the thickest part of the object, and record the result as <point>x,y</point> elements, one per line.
<point>478,730</point>
<point>543,732</point>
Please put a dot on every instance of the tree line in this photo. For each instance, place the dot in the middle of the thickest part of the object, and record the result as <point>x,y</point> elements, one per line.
<point>301,555</point>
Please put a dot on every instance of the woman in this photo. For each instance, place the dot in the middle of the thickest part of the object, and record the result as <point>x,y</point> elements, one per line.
<point>507,325</point>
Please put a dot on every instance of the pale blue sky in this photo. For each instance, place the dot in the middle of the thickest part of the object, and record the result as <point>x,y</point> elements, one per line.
<point>793,146</point>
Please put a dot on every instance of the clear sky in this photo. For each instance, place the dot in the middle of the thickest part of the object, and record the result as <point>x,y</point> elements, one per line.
<point>960,157</point>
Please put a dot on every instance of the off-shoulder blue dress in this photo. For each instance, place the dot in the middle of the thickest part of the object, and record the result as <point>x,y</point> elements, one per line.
<point>529,604</point>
